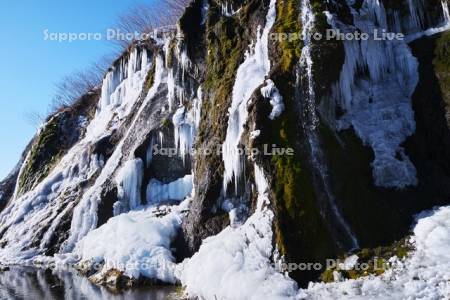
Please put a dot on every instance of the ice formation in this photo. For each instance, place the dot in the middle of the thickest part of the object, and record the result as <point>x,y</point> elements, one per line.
<point>137,242</point>
<point>179,189</point>
<point>129,181</point>
<point>251,73</point>
<point>271,92</point>
<point>120,89</point>
<point>239,257</point>
<point>184,133</point>
<point>85,214</point>
<point>378,104</point>
<point>227,9</point>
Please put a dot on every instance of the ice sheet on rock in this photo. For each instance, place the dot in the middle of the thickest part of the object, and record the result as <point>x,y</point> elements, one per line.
<point>239,257</point>
<point>137,242</point>
<point>158,192</point>
<point>423,275</point>
<point>250,74</point>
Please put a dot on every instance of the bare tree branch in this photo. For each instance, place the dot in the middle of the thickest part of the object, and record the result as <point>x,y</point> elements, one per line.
<point>145,18</point>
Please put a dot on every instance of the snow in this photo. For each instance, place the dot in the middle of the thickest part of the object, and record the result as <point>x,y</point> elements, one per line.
<point>250,74</point>
<point>137,242</point>
<point>349,262</point>
<point>179,189</point>
<point>378,104</point>
<point>129,181</point>
<point>254,134</point>
<point>425,274</point>
<point>271,92</point>
<point>237,263</point>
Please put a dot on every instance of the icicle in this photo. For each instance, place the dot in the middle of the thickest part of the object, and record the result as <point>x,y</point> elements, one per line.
<point>416,15</point>
<point>205,8</point>
<point>161,138</point>
<point>446,12</point>
<point>251,73</point>
<point>197,107</point>
<point>183,131</point>
<point>129,181</point>
<point>171,89</point>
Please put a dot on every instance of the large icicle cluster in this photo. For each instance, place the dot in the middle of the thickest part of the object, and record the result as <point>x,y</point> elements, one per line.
<point>85,214</point>
<point>378,104</point>
<point>250,74</point>
<point>43,208</point>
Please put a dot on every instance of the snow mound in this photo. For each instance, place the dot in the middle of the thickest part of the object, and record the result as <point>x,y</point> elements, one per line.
<point>137,242</point>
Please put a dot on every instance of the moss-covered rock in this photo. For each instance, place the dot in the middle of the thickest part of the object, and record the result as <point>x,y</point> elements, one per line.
<point>441,64</point>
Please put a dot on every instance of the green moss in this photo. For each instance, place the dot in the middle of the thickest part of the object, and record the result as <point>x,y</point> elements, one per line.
<point>165,123</point>
<point>150,79</point>
<point>44,153</point>
<point>300,233</point>
<point>288,24</point>
<point>371,261</point>
<point>328,55</point>
<point>225,46</point>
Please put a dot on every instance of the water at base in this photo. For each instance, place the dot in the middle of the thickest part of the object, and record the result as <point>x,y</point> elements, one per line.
<point>37,284</point>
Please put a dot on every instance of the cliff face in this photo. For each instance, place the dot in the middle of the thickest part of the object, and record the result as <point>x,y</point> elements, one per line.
<point>366,121</point>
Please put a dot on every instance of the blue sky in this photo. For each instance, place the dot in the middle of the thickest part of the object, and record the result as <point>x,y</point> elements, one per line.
<point>30,66</point>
